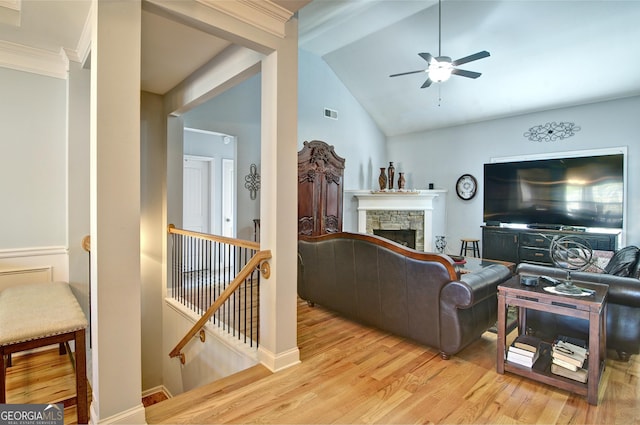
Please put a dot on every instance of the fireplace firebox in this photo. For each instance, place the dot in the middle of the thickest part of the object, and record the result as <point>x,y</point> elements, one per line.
<point>406,237</point>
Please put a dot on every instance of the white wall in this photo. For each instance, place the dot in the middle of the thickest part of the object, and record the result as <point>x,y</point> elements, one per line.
<point>235,112</point>
<point>33,165</point>
<point>212,145</point>
<point>78,181</point>
<point>354,135</point>
<point>152,230</point>
<point>218,356</point>
<point>441,156</point>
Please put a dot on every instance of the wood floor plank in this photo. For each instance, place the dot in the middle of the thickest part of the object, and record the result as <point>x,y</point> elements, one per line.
<point>355,374</point>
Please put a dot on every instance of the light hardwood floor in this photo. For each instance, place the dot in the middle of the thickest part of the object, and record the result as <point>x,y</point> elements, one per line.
<point>43,377</point>
<point>353,374</point>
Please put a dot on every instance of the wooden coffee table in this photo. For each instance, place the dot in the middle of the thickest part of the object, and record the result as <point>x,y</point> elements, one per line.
<point>591,308</point>
<point>474,264</point>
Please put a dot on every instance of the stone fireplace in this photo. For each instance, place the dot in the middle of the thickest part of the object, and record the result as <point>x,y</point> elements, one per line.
<point>406,237</point>
<point>421,212</point>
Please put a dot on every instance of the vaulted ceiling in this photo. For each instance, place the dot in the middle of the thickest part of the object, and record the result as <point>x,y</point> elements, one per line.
<point>544,54</point>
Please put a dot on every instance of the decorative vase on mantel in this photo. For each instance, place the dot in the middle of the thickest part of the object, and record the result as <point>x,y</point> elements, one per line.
<point>441,244</point>
<point>401,181</point>
<point>390,174</point>
<point>382,179</point>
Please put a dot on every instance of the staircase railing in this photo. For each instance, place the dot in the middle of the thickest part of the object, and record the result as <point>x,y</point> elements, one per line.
<point>218,278</point>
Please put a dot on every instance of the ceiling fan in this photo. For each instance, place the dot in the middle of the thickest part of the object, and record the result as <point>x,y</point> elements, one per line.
<point>441,67</point>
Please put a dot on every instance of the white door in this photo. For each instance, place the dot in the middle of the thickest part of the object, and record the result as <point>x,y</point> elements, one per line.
<point>228,198</point>
<point>196,205</point>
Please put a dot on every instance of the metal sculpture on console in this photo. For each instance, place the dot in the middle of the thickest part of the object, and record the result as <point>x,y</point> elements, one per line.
<point>570,253</point>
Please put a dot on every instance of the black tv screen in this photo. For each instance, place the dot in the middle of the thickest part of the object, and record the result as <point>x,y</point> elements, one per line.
<point>577,191</point>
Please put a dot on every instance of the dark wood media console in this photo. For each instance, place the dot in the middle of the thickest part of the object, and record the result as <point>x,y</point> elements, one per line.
<point>527,245</point>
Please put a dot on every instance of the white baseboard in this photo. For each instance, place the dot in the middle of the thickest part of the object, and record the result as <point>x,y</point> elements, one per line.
<point>135,415</point>
<point>281,361</point>
<point>158,389</point>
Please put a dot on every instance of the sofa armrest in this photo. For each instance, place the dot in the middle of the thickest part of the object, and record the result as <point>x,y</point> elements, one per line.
<point>468,307</point>
<point>475,287</point>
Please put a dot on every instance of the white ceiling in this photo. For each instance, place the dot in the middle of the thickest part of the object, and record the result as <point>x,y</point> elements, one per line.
<point>544,54</point>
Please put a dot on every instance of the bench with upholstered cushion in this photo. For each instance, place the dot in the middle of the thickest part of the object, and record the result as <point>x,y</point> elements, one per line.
<point>41,314</point>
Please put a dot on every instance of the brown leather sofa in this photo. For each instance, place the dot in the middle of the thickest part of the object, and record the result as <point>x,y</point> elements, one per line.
<point>623,307</point>
<point>409,293</point>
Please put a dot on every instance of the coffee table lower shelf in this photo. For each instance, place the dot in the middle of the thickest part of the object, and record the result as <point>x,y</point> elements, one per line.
<point>541,372</point>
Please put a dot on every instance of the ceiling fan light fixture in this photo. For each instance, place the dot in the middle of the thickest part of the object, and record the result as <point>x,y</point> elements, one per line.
<point>440,71</point>
<point>441,67</point>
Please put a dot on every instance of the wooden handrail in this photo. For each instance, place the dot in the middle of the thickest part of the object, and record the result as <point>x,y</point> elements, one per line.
<point>253,263</point>
<point>222,239</point>
<point>86,243</point>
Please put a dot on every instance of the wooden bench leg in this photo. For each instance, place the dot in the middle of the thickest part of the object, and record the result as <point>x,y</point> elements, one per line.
<point>81,377</point>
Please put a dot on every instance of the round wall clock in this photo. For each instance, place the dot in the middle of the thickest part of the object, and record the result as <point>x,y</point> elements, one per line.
<point>466,186</point>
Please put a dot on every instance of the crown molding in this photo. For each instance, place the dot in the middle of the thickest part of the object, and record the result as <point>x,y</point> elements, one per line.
<point>10,11</point>
<point>264,14</point>
<point>37,61</point>
<point>83,49</point>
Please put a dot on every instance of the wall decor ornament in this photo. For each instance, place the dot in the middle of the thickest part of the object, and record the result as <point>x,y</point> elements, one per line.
<point>252,181</point>
<point>551,131</point>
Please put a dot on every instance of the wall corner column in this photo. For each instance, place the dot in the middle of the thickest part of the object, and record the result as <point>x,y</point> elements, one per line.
<point>279,204</point>
<point>115,212</point>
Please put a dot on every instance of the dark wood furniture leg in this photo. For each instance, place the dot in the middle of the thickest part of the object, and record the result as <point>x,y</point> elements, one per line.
<point>80,367</point>
<point>81,378</point>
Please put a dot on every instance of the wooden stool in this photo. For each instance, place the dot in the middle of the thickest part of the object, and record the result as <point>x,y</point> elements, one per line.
<point>36,315</point>
<point>474,247</point>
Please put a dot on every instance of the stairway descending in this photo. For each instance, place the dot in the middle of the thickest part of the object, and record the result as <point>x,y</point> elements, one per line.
<point>164,410</point>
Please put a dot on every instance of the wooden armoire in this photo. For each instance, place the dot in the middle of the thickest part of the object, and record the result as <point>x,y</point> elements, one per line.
<point>320,187</point>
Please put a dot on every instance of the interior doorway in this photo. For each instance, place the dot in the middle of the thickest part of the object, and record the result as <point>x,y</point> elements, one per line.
<point>197,173</point>
<point>228,196</point>
<point>209,201</point>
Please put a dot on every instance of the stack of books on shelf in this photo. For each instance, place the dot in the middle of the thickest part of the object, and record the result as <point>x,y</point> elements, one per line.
<point>569,358</point>
<point>524,351</point>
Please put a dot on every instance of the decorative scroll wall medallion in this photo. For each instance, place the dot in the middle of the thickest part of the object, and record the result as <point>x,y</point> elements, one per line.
<point>252,181</point>
<point>551,131</point>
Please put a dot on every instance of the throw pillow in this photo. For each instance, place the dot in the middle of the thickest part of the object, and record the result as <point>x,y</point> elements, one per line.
<point>599,261</point>
<point>624,261</point>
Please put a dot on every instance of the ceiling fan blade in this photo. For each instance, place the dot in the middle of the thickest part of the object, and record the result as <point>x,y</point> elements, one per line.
<point>471,58</point>
<point>426,56</point>
<point>463,73</point>
<point>426,83</point>
<point>406,73</point>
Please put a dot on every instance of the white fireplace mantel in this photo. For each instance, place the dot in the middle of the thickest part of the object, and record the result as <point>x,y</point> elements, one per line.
<point>422,200</point>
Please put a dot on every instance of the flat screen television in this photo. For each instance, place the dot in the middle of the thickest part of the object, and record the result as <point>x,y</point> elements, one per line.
<point>583,191</point>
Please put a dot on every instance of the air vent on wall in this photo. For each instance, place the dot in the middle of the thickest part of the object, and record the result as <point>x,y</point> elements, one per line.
<point>330,113</point>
